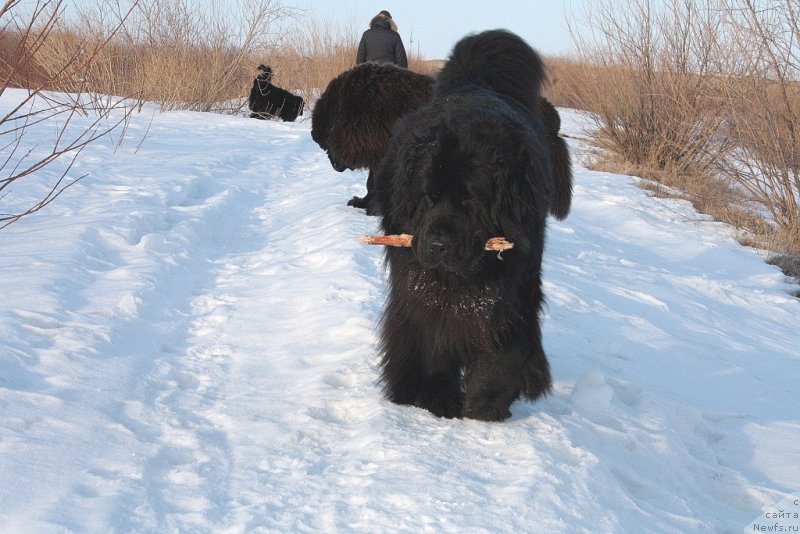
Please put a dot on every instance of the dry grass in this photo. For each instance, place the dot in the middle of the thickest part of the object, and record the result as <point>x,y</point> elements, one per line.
<point>567,77</point>
<point>179,53</point>
<point>23,36</point>
<point>699,95</point>
<point>647,81</point>
<point>306,61</point>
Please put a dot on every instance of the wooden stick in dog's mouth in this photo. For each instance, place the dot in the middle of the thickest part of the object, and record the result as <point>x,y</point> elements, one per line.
<point>498,244</point>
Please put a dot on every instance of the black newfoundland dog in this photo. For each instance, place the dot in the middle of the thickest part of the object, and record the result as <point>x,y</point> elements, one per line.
<point>353,118</point>
<point>460,332</point>
<point>267,101</point>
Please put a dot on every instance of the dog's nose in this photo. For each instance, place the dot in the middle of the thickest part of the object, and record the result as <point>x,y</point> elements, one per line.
<point>439,247</point>
<point>337,166</point>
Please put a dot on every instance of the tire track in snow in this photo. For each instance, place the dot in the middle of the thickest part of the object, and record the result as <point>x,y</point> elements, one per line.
<point>316,366</point>
<point>134,349</point>
<point>214,371</point>
<point>183,465</point>
<point>187,475</point>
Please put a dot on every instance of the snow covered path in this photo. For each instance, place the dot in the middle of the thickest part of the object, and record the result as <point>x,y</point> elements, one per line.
<point>187,344</point>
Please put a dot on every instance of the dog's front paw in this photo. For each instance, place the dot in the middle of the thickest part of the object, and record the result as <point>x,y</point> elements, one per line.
<point>357,202</point>
<point>488,407</point>
<point>442,404</point>
<point>487,413</point>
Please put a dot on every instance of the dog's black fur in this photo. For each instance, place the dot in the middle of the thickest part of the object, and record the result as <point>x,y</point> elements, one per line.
<point>353,118</point>
<point>268,101</point>
<point>460,332</point>
<point>559,158</point>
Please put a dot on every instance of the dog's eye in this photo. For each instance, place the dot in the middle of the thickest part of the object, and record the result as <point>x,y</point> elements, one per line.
<point>432,197</point>
<point>467,203</point>
<point>423,199</point>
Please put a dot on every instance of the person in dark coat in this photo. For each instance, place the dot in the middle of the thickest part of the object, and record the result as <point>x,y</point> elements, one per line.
<point>381,43</point>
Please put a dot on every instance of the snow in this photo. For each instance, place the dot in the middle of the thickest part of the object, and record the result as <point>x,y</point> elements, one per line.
<point>188,344</point>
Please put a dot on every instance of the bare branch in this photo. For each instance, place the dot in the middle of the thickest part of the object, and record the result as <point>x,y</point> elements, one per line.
<point>37,32</point>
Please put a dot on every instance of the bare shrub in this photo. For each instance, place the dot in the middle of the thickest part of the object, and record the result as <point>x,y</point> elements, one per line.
<point>705,97</point>
<point>181,54</point>
<point>35,31</point>
<point>762,98</point>
<point>566,79</point>
<point>186,54</point>
<point>647,78</point>
<point>306,58</point>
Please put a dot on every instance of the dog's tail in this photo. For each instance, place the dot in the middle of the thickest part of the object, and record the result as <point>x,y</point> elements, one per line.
<point>500,59</point>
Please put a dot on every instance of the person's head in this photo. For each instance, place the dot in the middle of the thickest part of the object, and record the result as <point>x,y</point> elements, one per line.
<point>384,20</point>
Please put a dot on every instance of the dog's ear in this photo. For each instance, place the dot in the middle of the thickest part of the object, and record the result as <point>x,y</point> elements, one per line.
<point>321,115</point>
<point>383,183</point>
<point>549,115</point>
<point>400,180</point>
<point>525,192</point>
<point>562,171</point>
<point>559,160</point>
<point>402,164</point>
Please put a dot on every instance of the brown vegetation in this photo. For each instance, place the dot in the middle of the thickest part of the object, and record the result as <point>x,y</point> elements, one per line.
<point>181,54</point>
<point>700,95</point>
<point>22,38</point>
<point>703,96</point>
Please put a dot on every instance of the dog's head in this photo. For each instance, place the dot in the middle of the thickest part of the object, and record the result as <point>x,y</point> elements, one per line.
<point>463,175</point>
<point>264,73</point>
<point>331,134</point>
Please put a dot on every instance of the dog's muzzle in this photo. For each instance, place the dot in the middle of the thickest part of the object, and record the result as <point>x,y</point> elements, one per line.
<point>337,166</point>
<point>449,251</point>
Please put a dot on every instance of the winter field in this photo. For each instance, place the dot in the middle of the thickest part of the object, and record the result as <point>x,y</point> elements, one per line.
<point>188,344</point>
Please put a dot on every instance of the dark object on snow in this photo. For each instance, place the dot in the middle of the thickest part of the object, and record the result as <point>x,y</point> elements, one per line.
<point>268,101</point>
<point>460,333</point>
<point>353,118</point>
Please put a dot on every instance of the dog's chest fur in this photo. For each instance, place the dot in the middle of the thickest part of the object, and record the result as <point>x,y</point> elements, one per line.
<point>452,296</point>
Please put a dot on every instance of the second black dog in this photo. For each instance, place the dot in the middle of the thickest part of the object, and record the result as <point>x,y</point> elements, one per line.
<point>353,118</point>
<point>268,101</point>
